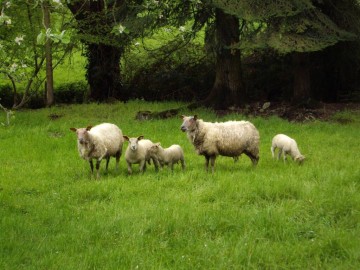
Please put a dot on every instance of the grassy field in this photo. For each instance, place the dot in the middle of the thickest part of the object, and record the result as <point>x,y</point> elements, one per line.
<point>274,216</point>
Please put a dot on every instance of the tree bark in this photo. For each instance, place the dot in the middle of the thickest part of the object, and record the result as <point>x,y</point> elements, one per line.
<point>48,56</point>
<point>228,89</point>
<point>103,72</point>
<point>302,83</point>
<point>103,67</point>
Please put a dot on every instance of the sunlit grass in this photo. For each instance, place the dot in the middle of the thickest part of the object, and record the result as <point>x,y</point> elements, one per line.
<point>274,216</point>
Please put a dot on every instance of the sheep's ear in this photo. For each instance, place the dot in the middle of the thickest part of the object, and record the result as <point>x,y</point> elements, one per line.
<point>140,137</point>
<point>183,116</point>
<point>126,138</point>
<point>73,129</point>
<point>157,144</point>
<point>195,117</point>
<point>88,128</point>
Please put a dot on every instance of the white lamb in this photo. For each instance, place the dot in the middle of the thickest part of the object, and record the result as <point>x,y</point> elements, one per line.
<point>286,146</point>
<point>98,142</point>
<point>168,156</point>
<point>137,152</point>
<point>229,139</point>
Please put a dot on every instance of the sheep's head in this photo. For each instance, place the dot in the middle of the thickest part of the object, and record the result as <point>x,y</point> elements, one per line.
<point>82,135</point>
<point>189,123</point>
<point>154,148</point>
<point>133,142</point>
<point>300,159</point>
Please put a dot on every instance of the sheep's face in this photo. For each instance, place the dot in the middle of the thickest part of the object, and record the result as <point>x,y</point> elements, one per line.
<point>82,135</point>
<point>133,142</point>
<point>154,148</point>
<point>300,159</point>
<point>189,123</point>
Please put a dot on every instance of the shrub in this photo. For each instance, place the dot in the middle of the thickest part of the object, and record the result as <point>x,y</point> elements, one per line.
<point>6,95</point>
<point>74,92</point>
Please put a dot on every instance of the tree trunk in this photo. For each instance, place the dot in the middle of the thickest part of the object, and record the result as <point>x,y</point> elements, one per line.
<point>48,56</point>
<point>302,85</point>
<point>103,72</point>
<point>228,88</point>
<point>103,67</point>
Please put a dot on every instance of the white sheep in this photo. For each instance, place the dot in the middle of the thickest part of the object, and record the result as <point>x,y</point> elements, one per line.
<point>230,139</point>
<point>168,156</point>
<point>286,146</point>
<point>98,142</point>
<point>137,152</point>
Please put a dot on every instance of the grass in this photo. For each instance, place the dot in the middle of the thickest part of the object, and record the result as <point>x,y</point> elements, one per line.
<point>274,216</point>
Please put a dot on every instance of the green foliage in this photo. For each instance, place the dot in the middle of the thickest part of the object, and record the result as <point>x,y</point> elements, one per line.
<point>73,92</point>
<point>274,216</point>
<point>251,10</point>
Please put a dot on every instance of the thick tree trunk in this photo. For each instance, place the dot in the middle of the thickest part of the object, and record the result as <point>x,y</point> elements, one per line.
<point>103,67</point>
<point>103,72</point>
<point>302,84</point>
<point>228,88</point>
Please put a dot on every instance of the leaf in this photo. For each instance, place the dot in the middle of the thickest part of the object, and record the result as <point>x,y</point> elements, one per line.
<point>41,38</point>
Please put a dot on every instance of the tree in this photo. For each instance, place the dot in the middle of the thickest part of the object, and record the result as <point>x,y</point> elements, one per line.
<point>22,51</point>
<point>228,88</point>
<point>48,56</point>
<point>296,27</point>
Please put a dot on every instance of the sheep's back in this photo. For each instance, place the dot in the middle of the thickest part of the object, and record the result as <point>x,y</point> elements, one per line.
<point>230,138</point>
<point>174,152</point>
<point>111,135</point>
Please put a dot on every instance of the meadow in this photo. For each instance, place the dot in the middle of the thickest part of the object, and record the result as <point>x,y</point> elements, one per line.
<point>274,216</point>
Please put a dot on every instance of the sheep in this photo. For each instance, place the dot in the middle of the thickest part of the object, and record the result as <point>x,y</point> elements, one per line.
<point>168,156</point>
<point>98,142</point>
<point>230,139</point>
<point>286,146</point>
<point>137,152</point>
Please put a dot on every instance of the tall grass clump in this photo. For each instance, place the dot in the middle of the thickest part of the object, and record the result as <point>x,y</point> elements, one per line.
<point>275,216</point>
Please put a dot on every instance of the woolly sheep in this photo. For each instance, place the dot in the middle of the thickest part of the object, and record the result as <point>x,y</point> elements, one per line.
<point>98,142</point>
<point>137,152</point>
<point>168,156</point>
<point>230,139</point>
<point>286,145</point>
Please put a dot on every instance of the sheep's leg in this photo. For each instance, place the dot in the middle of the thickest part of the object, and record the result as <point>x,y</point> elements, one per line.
<point>142,166</point>
<point>91,166</point>
<point>171,165</point>
<point>279,154</point>
<point>107,163</point>
<point>129,167</point>
<point>183,166</point>
<point>117,156</point>
<point>284,155</point>
<point>156,164</point>
<point>207,163</point>
<point>273,151</point>
<point>212,162</point>
<point>98,168</point>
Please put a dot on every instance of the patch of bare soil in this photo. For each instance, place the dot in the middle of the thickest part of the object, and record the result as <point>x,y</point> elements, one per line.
<point>322,111</point>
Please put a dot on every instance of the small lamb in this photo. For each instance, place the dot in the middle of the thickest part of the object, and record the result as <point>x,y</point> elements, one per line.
<point>168,156</point>
<point>98,142</point>
<point>137,152</point>
<point>286,146</point>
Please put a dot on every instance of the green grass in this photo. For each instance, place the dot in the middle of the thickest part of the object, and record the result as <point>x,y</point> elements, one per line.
<point>274,216</point>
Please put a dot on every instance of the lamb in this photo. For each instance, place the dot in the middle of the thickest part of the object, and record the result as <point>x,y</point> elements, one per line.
<point>137,152</point>
<point>286,146</point>
<point>168,156</point>
<point>98,142</point>
<point>230,139</point>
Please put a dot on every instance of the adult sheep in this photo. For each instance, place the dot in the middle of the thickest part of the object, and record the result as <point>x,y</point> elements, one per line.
<point>229,139</point>
<point>98,142</point>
